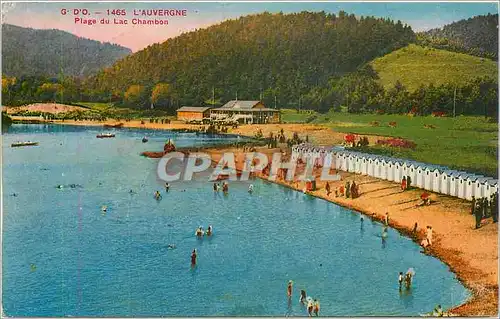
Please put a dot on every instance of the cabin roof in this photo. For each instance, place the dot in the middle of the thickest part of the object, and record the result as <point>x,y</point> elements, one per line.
<point>236,104</point>
<point>199,109</point>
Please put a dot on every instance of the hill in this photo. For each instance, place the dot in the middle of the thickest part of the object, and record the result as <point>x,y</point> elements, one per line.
<point>476,36</point>
<point>32,52</point>
<point>267,55</point>
<point>415,65</point>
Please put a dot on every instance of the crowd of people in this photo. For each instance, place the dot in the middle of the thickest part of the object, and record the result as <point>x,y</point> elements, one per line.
<point>484,208</point>
<point>406,278</point>
<point>311,304</point>
<point>349,190</point>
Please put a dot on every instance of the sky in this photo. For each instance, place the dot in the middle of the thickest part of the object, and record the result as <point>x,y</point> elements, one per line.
<point>420,16</point>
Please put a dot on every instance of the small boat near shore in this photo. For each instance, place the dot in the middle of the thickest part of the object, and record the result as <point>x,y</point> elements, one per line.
<point>105,135</point>
<point>27,143</point>
<point>119,125</point>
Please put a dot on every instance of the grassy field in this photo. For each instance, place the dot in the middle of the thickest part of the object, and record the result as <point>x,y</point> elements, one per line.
<point>110,110</point>
<point>292,116</point>
<point>466,142</point>
<point>414,65</point>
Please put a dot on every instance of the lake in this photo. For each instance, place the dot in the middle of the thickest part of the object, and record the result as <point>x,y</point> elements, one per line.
<point>63,256</point>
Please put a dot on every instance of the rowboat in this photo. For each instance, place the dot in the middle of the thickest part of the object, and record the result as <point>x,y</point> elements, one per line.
<point>28,143</point>
<point>105,135</point>
<point>119,125</point>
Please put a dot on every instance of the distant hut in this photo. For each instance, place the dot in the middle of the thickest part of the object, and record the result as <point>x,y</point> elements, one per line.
<point>364,165</point>
<point>491,187</point>
<point>461,184</point>
<point>398,171</point>
<point>418,168</point>
<point>384,167</point>
<point>470,186</point>
<point>371,166</point>
<point>351,163</point>
<point>480,187</point>
<point>377,165</point>
<point>447,182</point>
<point>357,163</point>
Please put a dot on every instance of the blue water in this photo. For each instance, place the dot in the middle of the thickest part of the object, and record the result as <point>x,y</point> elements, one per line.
<point>62,256</point>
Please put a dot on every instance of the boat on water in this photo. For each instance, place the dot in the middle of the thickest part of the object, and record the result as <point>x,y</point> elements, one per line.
<point>119,125</point>
<point>27,143</point>
<point>105,135</point>
<point>144,139</point>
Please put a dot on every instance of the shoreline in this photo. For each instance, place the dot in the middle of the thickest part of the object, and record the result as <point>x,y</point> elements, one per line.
<point>472,255</point>
<point>482,285</point>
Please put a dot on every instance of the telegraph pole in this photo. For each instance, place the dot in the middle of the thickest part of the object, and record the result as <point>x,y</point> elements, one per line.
<point>454,101</point>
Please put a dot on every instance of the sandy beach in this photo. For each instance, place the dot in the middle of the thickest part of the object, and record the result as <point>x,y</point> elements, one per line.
<point>471,254</point>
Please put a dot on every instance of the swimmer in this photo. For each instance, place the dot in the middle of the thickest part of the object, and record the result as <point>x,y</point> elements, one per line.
<point>104,208</point>
<point>199,232</point>
<point>171,246</point>
<point>216,187</point>
<point>400,279</point>
<point>289,289</point>
<point>316,307</point>
<point>167,187</point>
<point>60,186</point>
<point>157,195</point>
<point>193,257</point>
<point>250,188</point>
<point>302,297</point>
<point>310,307</point>
<point>384,232</point>
<point>209,230</point>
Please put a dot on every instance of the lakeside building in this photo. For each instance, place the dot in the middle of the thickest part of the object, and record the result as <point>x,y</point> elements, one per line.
<point>193,113</point>
<point>235,111</point>
<point>245,112</point>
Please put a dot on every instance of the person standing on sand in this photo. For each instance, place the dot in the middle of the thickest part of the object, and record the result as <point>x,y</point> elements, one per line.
<point>403,184</point>
<point>494,207</point>
<point>478,214</point>
<point>327,188</point>
<point>429,235</point>
<point>386,220</point>
<point>473,205</point>
<point>289,289</point>
<point>354,190</point>
<point>347,189</point>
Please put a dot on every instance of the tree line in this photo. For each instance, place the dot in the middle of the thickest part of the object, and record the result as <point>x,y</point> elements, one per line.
<point>475,36</point>
<point>356,92</point>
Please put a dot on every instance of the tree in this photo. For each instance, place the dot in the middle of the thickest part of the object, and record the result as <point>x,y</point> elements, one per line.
<point>135,96</point>
<point>162,95</point>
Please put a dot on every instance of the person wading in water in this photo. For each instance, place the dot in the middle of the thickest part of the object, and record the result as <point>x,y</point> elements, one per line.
<point>193,258</point>
<point>289,289</point>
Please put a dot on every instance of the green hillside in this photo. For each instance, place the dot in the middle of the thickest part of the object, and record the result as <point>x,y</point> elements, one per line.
<point>415,65</point>
<point>276,56</point>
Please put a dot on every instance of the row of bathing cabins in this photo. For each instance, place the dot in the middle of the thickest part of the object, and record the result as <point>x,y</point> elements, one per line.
<point>430,177</point>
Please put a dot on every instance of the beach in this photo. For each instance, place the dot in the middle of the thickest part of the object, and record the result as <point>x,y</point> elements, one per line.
<point>471,254</point>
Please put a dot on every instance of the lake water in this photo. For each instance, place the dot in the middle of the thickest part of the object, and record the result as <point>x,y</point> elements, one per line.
<point>62,256</point>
